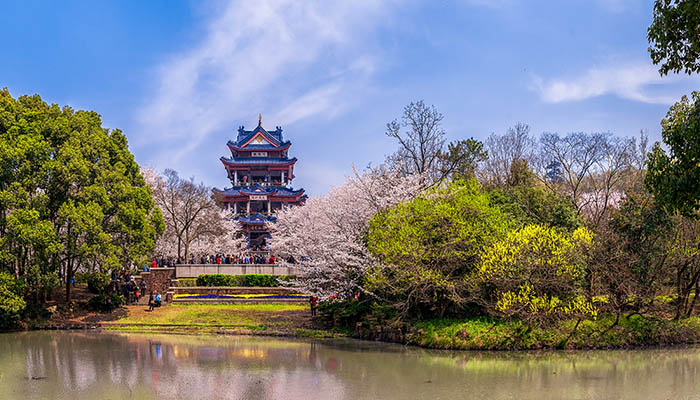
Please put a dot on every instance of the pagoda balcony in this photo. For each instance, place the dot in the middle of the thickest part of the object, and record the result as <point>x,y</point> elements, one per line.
<point>261,183</point>
<point>245,214</point>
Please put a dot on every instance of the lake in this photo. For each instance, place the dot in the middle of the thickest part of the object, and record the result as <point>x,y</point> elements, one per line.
<point>95,366</point>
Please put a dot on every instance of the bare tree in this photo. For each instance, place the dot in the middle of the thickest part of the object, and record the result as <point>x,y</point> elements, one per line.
<point>421,143</point>
<point>503,150</point>
<point>605,184</point>
<point>593,170</point>
<point>576,154</point>
<point>188,209</point>
<point>638,160</point>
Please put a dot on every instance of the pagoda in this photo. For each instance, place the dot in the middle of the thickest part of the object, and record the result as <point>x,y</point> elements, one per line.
<point>261,173</point>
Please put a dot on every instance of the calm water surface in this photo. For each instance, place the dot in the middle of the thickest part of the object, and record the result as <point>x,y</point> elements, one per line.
<point>95,366</point>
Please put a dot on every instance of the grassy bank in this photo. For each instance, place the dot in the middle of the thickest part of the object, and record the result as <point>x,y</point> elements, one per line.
<point>459,334</point>
<point>486,334</point>
<point>268,319</point>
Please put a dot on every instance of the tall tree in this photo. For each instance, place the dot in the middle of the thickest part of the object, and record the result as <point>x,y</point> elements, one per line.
<point>674,36</point>
<point>462,158</point>
<point>504,150</point>
<point>674,177</point>
<point>421,143</point>
<point>194,222</point>
<point>71,194</point>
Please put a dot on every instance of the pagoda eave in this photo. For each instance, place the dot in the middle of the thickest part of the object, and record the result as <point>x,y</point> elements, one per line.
<point>235,147</point>
<point>242,165</point>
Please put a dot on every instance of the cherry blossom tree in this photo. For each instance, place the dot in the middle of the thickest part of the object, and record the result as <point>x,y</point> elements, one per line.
<point>223,236</point>
<point>194,224</point>
<point>325,239</point>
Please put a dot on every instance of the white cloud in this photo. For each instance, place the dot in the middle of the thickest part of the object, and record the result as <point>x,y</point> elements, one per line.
<point>291,59</point>
<point>628,81</point>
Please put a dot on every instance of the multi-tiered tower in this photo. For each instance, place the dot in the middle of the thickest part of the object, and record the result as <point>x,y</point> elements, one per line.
<point>260,173</point>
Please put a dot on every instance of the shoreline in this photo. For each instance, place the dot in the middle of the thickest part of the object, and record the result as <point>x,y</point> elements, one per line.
<point>465,335</point>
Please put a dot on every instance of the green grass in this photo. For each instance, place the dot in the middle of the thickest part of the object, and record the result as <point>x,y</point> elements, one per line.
<point>488,334</point>
<point>215,317</point>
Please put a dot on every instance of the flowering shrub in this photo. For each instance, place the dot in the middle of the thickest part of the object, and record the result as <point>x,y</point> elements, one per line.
<point>536,274</point>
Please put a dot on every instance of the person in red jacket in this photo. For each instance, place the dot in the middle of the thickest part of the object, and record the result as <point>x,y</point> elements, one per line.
<point>272,259</point>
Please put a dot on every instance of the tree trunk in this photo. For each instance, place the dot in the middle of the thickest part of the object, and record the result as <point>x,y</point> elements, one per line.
<point>69,278</point>
<point>695,297</point>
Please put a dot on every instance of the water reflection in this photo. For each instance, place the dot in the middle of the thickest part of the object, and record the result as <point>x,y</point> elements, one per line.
<point>64,365</point>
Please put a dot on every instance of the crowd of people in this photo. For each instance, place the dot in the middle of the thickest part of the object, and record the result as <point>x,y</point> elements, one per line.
<point>160,262</point>
<point>125,284</point>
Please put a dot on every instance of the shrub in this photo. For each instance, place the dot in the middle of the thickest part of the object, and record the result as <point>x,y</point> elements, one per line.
<point>12,302</point>
<point>105,302</point>
<point>186,282</point>
<point>428,245</point>
<point>535,274</point>
<point>81,277</point>
<point>221,280</point>
<point>250,280</point>
<point>260,280</point>
<point>98,282</point>
<point>40,285</point>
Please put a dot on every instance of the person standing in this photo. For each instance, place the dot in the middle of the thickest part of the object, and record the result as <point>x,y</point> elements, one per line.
<point>313,300</point>
<point>142,287</point>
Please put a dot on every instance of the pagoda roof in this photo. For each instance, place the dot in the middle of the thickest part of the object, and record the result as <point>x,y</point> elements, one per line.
<point>256,219</point>
<point>254,146</point>
<point>257,160</point>
<point>273,138</point>
<point>259,190</point>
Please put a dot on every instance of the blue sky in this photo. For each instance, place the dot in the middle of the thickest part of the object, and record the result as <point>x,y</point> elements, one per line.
<point>179,77</point>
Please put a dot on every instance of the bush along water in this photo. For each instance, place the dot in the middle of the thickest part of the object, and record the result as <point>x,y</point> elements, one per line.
<point>12,303</point>
<point>455,269</point>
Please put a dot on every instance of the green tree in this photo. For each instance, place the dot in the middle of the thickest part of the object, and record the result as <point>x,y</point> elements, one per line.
<point>11,300</point>
<point>674,36</point>
<point>527,201</point>
<point>462,158</point>
<point>71,193</point>
<point>428,245</point>
<point>674,177</point>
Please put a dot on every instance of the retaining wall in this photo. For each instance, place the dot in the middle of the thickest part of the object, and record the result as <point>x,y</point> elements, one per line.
<point>158,280</point>
<point>194,270</point>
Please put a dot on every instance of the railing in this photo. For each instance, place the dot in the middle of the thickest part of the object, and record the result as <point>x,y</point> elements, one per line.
<point>261,183</point>
<point>194,270</point>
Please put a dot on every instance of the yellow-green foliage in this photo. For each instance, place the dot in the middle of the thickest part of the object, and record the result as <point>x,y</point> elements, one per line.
<point>428,246</point>
<point>535,245</point>
<point>526,299</point>
<point>449,225</point>
<point>536,273</point>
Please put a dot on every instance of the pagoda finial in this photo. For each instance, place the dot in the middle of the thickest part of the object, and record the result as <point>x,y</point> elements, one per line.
<point>259,119</point>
